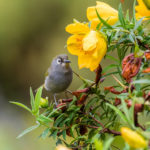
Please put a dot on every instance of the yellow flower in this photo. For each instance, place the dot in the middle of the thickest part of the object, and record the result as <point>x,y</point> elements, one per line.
<point>133,138</point>
<point>90,46</point>
<point>106,12</point>
<point>141,10</point>
<point>147,3</point>
<point>61,147</point>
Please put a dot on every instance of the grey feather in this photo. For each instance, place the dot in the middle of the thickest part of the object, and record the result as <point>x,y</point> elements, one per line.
<point>59,75</point>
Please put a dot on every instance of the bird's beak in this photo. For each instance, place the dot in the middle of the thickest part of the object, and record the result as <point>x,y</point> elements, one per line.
<point>67,61</point>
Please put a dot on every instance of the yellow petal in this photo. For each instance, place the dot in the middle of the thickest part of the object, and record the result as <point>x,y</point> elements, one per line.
<point>134,139</point>
<point>77,28</point>
<point>141,10</point>
<point>74,44</point>
<point>111,20</point>
<point>104,10</point>
<point>90,41</point>
<point>91,59</point>
<point>87,61</point>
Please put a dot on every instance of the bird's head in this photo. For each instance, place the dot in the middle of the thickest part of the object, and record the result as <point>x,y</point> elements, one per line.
<point>61,62</point>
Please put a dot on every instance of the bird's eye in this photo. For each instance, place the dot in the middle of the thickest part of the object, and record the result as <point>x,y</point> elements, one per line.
<point>59,61</point>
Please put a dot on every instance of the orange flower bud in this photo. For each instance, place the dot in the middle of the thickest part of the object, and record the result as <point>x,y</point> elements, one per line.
<point>134,139</point>
<point>82,99</point>
<point>130,67</point>
<point>147,70</point>
<point>147,55</point>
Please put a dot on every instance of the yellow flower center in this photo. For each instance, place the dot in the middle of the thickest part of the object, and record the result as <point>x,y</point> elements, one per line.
<point>90,41</point>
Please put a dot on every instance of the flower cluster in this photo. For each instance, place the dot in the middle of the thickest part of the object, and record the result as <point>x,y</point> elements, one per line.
<point>95,114</point>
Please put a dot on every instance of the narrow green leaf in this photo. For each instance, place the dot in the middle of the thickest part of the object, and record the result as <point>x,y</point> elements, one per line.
<point>32,99</point>
<point>131,38</point>
<point>112,58</point>
<point>121,17</point>
<point>107,144</point>
<point>43,119</point>
<point>45,133</point>
<point>123,117</point>
<point>142,81</point>
<point>91,102</point>
<point>103,21</point>
<point>28,130</point>
<point>134,18</point>
<point>21,105</point>
<point>138,23</point>
<point>109,67</point>
<point>37,100</point>
<point>64,134</point>
<point>125,109</point>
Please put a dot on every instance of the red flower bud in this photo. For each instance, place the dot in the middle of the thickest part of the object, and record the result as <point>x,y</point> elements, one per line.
<point>62,106</point>
<point>117,101</point>
<point>78,92</point>
<point>113,90</point>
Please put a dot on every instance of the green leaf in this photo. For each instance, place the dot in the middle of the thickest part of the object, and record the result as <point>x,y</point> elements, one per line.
<point>91,102</point>
<point>112,58</point>
<point>131,38</point>
<point>125,109</point>
<point>123,117</point>
<point>59,120</point>
<point>121,17</point>
<point>43,119</point>
<point>109,67</point>
<point>103,21</point>
<point>142,81</point>
<point>107,144</point>
<point>37,100</point>
<point>98,145</point>
<point>134,18</point>
<point>138,23</point>
<point>28,130</point>
<point>21,105</point>
<point>32,99</point>
<point>64,134</point>
<point>45,133</point>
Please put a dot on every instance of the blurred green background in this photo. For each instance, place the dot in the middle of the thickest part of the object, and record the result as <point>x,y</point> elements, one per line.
<point>32,32</point>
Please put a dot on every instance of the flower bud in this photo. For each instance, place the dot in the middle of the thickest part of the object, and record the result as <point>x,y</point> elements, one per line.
<point>61,147</point>
<point>62,106</point>
<point>43,102</point>
<point>134,139</point>
<point>147,70</point>
<point>130,67</point>
<point>147,55</point>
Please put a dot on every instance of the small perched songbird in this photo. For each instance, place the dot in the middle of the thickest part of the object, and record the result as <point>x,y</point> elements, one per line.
<point>59,75</point>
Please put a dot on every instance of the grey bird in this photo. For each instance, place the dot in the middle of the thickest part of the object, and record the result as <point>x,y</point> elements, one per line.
<point>59,75</point>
